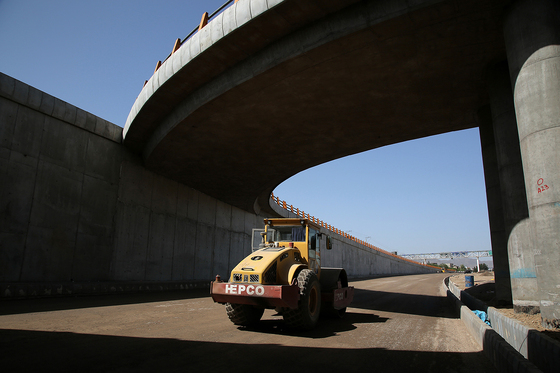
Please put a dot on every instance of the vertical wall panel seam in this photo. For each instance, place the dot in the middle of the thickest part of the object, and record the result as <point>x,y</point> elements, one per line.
<point>114,220</point>
<point>148,242</point>
<point>175,232</point>
<point>195,244</point>
<point>230,242</point>
<point>79,215</point>
<point>33,194</point>
<point>213,238</point>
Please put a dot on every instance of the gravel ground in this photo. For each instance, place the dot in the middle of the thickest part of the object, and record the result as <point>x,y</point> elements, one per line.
<point>394,324</point>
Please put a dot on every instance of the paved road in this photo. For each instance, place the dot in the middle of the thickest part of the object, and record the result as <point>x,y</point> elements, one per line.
<point>396,324</point>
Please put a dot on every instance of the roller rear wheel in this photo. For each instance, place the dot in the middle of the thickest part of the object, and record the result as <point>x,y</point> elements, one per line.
<point>309,307</point>
<point>328,307</point>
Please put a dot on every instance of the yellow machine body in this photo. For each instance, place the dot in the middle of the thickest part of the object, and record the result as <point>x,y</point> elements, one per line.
<point>288,245</point>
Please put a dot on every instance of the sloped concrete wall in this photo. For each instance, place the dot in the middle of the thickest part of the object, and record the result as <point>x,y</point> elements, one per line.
<point>58,185</point>
<point>77,208</point>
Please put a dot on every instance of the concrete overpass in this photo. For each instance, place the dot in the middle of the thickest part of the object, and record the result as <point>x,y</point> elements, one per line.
<point>270,88</point>
<point>260,94</point>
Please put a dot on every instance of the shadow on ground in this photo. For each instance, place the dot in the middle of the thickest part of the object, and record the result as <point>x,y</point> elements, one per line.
<point>33,351</point>
<point>327,327</point>
<point>412,304</point>
<point>19,306</point>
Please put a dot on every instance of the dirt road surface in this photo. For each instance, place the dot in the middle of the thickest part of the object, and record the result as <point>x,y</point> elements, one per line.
<point>395,324</point>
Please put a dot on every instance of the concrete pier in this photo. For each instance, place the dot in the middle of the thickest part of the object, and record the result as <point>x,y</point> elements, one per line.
<point>512,198</point>
<point>532,34</point>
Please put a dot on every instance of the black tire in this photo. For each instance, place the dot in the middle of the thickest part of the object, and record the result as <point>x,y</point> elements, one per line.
<point>309,307</point>
<point>243,314</point>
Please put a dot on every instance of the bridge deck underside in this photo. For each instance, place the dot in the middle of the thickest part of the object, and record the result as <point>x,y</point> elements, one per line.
<point>414,75</point>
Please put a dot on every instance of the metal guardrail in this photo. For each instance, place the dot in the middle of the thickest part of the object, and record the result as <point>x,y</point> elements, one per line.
<point>321,223</point>
<point>203,22</point>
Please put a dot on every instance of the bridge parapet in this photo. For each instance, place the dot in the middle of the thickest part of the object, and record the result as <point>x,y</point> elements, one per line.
<point>300,213</point>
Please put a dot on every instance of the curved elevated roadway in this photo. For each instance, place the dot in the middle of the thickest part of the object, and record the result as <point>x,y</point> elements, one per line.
<point>270,88</point>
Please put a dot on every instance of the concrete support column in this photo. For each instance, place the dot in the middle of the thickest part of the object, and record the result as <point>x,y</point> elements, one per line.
<point>532,34</point>
<point>512,188</point>
<point>495,209</point>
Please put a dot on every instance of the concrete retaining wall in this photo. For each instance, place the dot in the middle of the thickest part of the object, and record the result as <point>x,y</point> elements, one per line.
<point>80,213</point>
<point>511,345</point>
<point>503,356</point>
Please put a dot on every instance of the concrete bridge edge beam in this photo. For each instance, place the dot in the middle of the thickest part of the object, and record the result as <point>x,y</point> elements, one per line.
<point>532,36</point>
<point>508,152</point>
<point>498,237</point>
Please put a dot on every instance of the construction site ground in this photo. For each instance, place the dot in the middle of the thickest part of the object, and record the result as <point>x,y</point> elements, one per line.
<point>394,324</point>
<point>484,290</point>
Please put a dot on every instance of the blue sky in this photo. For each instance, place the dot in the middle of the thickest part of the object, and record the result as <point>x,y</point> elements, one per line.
<point>425,195</point>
